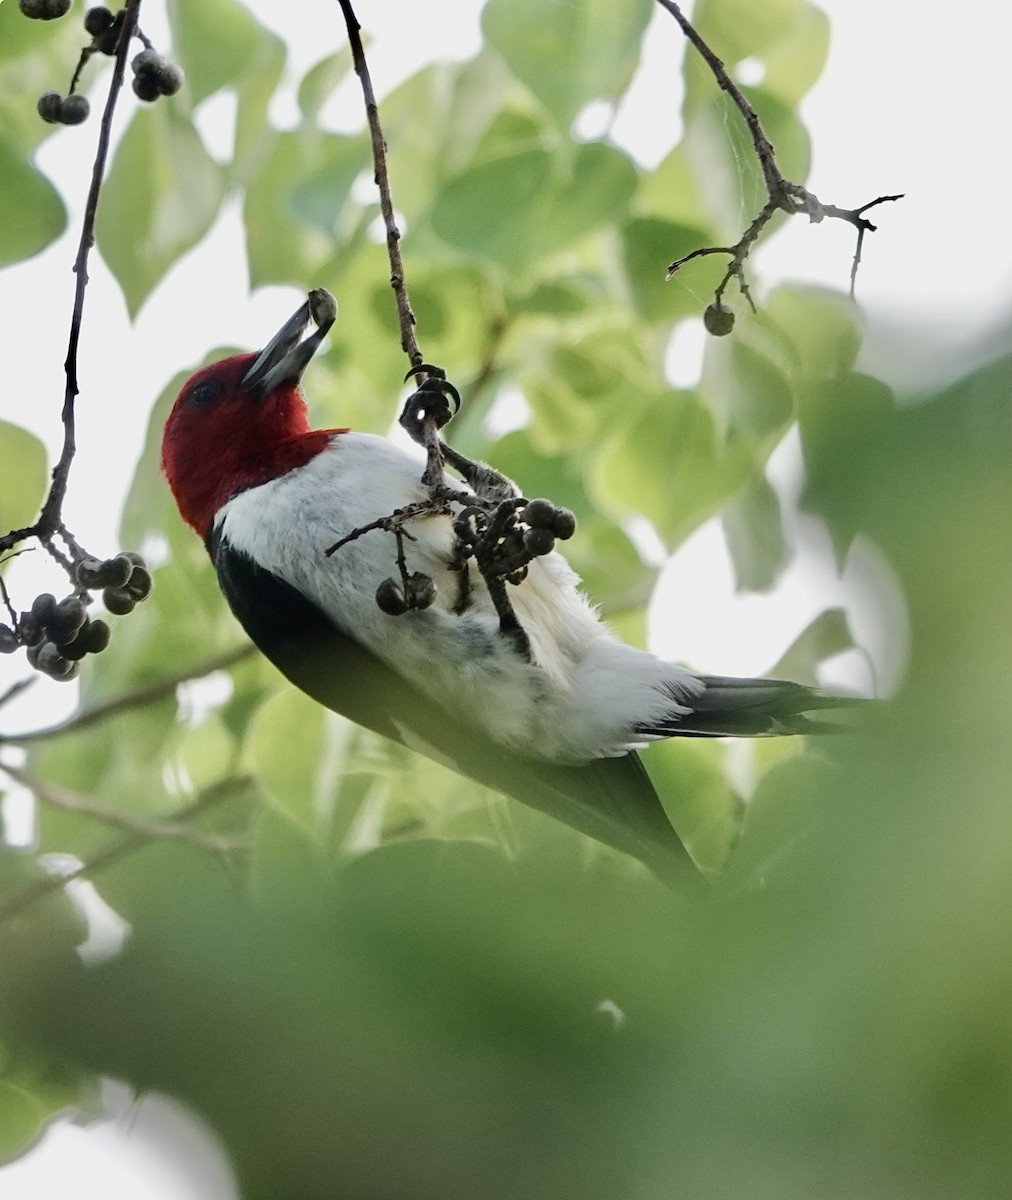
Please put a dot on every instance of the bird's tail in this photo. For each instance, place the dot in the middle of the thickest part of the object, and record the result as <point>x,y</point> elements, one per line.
<point>730,707</point>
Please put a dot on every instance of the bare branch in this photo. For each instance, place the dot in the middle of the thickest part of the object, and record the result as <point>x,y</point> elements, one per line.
<point>405,315</point>
<point>150,693</point>
<point>784,195</point>
<point>220,792</point>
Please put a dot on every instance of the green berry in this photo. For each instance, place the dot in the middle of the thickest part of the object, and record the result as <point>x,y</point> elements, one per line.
<point>49,106</point>
<point>718,320</point>
<point>74,110</point>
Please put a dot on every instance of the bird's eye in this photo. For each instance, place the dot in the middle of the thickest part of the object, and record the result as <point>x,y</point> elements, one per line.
<point>206,392</point>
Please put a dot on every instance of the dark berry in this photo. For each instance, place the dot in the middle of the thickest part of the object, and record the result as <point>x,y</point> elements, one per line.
<point>96,634</point>
<point>90,573</point>
<point>718,320</point>
<point>118,601</point>
<point>564,525</point>
<point>539,541</point>
<point>49,106</point>
<point>44,10</point>
<point>145,88</point>
<point>8,640</point>
<point>74,110</point>
<point>169,78</point>
<point>98,20</point>
<point>139,584</point>
<point>421,590</point>
<point>390,598</point>
<point>44,608</point>
<point>117,571</point>
<point>107,41</point>
<point>539,514</point>
<point>51,662</point>
<point>147,62</point>
<point>67,621</point>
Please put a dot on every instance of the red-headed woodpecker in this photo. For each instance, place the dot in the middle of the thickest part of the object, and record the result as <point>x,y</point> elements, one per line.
<point>556,727</point>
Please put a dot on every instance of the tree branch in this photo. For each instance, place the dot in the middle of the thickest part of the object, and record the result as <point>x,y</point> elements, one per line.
<point>149,693</point>
<point>783,194</point>
<point>405,315</point>
<point>226,789</point>
<point>50,518</point>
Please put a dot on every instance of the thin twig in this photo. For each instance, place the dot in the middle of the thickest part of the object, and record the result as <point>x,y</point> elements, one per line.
<point>149,693</point>
<point>783,194</point>
<point>224,790</point>
<point>66,800</point>
<point>405,315</point>
<point>50,517</point>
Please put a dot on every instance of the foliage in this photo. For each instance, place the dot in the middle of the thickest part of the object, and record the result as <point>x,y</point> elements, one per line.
<point>402,997</point>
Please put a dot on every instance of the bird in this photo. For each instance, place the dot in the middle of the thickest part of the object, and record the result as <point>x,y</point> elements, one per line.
<point>555,718</point>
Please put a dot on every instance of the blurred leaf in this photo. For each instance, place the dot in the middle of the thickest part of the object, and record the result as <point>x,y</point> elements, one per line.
<point>824,328</point>
<point>320,81</point>
<point>748,392</point>
<point>162,195</point>
<point>665,463</point>
<point>524,206</point>
<point>737,29</point>
<point>568,53</point>
<point>697,797</point>
<point>215,42</point>
<point>34,214</point>
<point>21,1119</point>
<point>649,245</point>
<point>294,201</point>
<point>827,635</point>
<point>23,476</point>
<point>755,536</point>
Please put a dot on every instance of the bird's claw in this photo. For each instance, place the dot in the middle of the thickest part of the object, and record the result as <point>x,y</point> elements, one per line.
<point>435,400</point>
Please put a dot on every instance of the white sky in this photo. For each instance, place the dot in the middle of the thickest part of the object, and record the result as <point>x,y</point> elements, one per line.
<point>911,101</point>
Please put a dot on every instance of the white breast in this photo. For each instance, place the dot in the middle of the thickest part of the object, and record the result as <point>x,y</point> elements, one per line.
<point>583,695</point>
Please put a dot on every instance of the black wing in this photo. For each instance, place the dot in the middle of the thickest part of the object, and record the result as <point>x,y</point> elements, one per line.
<point>611,799</point>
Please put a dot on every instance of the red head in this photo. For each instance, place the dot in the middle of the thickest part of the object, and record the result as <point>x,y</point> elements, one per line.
<point>242,421</point>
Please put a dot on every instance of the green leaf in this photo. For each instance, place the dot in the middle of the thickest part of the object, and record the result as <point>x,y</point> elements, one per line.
<point>23,476</point>
<point>21,1119</point>
<point>522,207</point>
<point>665,463</point>
<point>701,805</point>
<point>755,535</point>
<point>738,29</point>
<point>162,195</point>
<point>827,635</point>
<point>567,52</point>
<point>35,57</point>
<point>215,42</point>
<point>34,214</point>
<point>649,244</point>
<point>748,392</point>
<point>824,328</point>
<point>320,81</point>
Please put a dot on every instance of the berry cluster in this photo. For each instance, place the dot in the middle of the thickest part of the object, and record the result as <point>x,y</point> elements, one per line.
<point>59,633</point>
<point>154,75</point>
